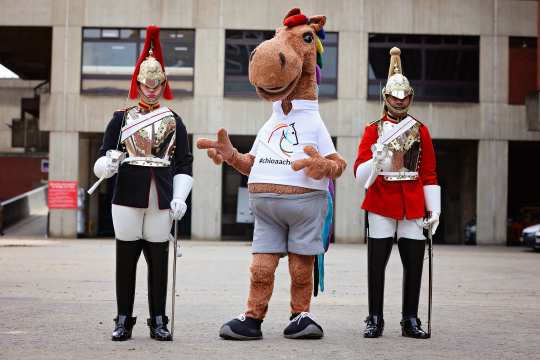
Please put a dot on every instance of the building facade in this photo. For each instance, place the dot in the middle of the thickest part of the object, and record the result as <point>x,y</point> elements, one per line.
<point>456,53</point>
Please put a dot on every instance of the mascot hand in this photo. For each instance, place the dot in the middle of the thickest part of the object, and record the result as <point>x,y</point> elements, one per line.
<point>178,209</point>
<point>316,166</point>
<point>220,150</point>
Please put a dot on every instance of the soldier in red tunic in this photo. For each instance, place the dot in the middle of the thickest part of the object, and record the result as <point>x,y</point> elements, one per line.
<point>396,164</point>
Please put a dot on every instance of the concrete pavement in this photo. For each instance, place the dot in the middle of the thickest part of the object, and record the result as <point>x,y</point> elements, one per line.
<point>57,301</point>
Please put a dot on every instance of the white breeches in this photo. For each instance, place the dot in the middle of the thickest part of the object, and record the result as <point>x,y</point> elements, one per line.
<point>385,227</point>
<point>150,224</point>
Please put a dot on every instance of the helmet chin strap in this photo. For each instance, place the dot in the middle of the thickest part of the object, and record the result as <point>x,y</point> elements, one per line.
<point>148,101</point>
<point>399,113</point>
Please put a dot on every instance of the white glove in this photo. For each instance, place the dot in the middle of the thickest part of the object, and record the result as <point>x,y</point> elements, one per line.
<point>178,209</point>
<point>380,154</point>
<point>433,221</point>
<point>368,171</point>
<point>182,185</point>
<point>432,197</point>
<point>106,166</point>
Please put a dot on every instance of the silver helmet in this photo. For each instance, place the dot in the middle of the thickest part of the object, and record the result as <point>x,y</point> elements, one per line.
<point>152,75</point>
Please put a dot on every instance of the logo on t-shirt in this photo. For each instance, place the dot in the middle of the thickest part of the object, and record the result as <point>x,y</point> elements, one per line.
<point>285,137</point>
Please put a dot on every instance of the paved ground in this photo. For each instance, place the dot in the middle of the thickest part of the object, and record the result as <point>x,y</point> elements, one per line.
<point>57,302</point>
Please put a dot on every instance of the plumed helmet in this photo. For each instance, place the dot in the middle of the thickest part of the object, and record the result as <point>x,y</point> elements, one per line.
<point>149,69</point>
<point>397,84</point>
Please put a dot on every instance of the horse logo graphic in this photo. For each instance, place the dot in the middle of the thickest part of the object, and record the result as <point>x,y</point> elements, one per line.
<point>287,137</point>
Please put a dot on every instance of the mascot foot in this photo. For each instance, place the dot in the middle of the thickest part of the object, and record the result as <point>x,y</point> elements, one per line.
<point>374,326</point>
<point>122,328</point>
<point>241,328</point>
<point>158,328</point>
<point>303,326</point>
<point>411,328</point>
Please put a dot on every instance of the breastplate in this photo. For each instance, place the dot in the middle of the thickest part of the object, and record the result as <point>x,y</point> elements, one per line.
<point>405,153</point>
<point>149,138</point>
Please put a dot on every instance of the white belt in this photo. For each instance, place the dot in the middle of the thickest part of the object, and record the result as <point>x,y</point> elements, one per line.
<point>399,176</point>
<point>146,161</point>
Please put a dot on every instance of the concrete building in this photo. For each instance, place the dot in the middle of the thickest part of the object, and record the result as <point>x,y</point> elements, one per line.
<point>478,132</point>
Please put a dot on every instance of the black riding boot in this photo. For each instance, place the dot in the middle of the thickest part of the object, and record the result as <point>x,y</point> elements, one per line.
<point>412,258</point>
<point>123,325</point>
<point>127,256</point>
<point>378,254</point>
<point>157,258</point>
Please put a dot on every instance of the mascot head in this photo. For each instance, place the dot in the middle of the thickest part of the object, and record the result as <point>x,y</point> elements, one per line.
<point>288,65</point>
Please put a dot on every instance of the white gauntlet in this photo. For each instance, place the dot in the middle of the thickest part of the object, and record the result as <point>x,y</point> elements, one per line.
<point>432,198</point>
<point>182,185</point>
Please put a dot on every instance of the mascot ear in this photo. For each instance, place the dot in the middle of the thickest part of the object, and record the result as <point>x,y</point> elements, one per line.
<point>292,12</point>
<point>317,22</point>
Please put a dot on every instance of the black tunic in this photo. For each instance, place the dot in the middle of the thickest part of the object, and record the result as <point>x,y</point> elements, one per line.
<point>133,181</point>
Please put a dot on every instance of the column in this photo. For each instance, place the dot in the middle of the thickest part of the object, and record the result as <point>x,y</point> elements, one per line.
<point>492,192</point>
<point>63,165</point>
<point>206,195</point>
<point>349,225</point>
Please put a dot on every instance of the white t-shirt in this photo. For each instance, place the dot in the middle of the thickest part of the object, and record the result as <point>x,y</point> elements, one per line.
<point>282,139</point>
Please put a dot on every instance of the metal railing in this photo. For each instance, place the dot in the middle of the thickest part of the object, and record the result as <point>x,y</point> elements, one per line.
<point>33,202</point>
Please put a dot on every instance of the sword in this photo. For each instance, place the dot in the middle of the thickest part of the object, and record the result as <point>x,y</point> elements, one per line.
<point>175,242</point>
<point>95,186</point>
<point>430,291</point>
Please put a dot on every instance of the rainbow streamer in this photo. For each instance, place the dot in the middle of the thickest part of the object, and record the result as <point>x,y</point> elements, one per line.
<point>320,50</point>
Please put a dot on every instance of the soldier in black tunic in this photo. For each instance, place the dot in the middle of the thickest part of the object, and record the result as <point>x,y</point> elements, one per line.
<point>152,183</point>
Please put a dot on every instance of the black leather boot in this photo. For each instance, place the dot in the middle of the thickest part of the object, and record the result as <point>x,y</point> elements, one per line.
<point>374,326</point>
<point>123,325</point>
<point>411,328</point>
<point>158,328</point>
<point>127,256</point>
<point>378,254</point>
<point>411,252</point>
<point>157,258</point>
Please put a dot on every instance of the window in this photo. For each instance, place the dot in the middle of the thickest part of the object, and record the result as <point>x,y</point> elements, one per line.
<point>25,133</point>
<point>439,67</point>
<point>240,43</point>
<point>522,69</point>
<point>109,56</point>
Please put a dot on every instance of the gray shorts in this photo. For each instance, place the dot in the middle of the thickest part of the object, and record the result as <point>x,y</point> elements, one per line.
<point>288,223</point>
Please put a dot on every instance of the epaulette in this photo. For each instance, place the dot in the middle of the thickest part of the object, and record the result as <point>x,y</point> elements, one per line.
<point>124,110</point>
<point>374,122</point>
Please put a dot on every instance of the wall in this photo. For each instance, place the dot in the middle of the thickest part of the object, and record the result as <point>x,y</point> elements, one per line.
<point>492,121</point>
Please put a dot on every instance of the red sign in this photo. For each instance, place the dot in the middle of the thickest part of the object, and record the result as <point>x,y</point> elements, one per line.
<point>62,194</point>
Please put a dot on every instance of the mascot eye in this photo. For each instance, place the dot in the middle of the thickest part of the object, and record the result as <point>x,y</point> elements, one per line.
<point>308,38</point>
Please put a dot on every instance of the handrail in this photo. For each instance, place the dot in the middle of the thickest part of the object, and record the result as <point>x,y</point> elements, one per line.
<point>28,193</point>
<point>33,202</point>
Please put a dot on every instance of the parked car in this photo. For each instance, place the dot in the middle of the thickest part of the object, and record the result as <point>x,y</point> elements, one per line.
<point>530,236</point>
<point>537,242</point>
<point>526,217</point>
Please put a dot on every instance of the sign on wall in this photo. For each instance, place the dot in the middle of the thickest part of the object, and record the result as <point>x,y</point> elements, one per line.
<point>62,194</point>
<point>44,166</point>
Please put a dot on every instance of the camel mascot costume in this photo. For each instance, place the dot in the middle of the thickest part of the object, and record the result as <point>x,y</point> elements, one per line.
<point>289,168</point>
